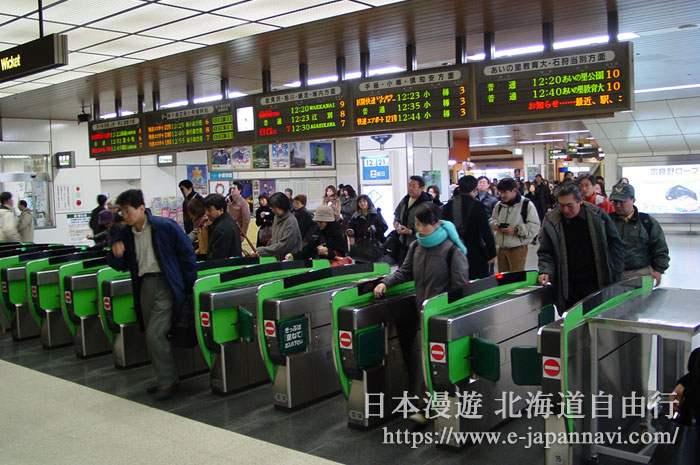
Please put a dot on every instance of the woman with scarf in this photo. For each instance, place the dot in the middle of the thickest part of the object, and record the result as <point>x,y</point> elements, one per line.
<point>437,262</point>
<point>366,231</point>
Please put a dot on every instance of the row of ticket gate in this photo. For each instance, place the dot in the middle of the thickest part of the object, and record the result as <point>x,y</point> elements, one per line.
<point>316,330</point>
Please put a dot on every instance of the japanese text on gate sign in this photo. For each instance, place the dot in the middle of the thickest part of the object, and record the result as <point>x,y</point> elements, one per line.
<point>293,336</point>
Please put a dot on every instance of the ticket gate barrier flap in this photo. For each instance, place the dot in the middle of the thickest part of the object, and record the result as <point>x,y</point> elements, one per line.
<point>79,305</point>
<point>449,359</point>
<point>308,375</point>
<point>219,305</point>
<point>106,302</point>
<point>352,319</point>
<point>296,285</point>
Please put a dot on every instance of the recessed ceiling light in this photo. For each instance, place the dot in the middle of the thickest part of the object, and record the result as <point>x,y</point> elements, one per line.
<point>659,89</point>
<point>540,141</point>
<point>497,137</point>
<point>554,133</point>
<point>483,145</point>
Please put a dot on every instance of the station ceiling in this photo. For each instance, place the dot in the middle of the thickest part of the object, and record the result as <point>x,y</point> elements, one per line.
<point>125,48</point>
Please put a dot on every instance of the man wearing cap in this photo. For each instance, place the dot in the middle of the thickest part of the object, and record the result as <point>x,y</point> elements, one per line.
<point>107,237</point>
<point>327,241</point>
<point>647,251</point>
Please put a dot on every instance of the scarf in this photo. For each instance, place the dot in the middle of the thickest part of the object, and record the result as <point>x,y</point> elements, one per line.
<point>443,232</point>
<point>514,200</point>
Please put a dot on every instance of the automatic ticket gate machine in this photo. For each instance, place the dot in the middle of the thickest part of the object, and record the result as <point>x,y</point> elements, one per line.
<point>625,340</point>
<point>468,335</point>
<point>121,325</point>
<point>366,348</point>
<point>296,332</point>
<point>16,294</point>
<point>9,255</point>
<point>45,302</point>
<point>79,305</point>
<point>227,321</point>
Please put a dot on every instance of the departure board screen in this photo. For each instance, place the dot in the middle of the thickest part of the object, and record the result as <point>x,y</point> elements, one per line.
<point>190,128</point>
<point>588,81</point>
<point>120,136</point>
<point>303,114</point>
<point>423,99</point>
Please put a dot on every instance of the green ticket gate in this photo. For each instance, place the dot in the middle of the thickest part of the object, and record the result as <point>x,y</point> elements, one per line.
<point>78,286</point>
<point>8,257</point>
<point>296,332</point>
<point>227,323</point>
<point>121,323</point>
<point>626,341</point>
<point>367,348</point>
<point>467,337</point>
<point>16,294</point>
<point>45,302</point>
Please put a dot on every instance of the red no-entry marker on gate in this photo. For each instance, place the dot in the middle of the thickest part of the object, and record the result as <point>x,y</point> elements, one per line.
<point>345,339</point>
<point>204,318</point>
<point>551,367</point>
<point>68,297</point>
<point>269,327</point>
<point>437,352</point>
<point>106,303</point>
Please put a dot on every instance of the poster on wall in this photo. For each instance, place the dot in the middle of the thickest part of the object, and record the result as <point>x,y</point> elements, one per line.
<point>321,153</point>
<point>240,158</point>
<point>197,174</point>
<point>262,186</point>
<point>79,228</point>
<point>219,183</point>
<point>220,160</point>
<point>665,188</point>
<point>532,171</point>
<point>432,178</point>
<point>261,157</point>
<point>69,197</point>
<point>299,154</point>
<point>280,156</point>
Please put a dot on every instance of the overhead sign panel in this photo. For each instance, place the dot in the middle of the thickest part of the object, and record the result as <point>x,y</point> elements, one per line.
<point>115,137</point>
<point>430,98</point>
<point>303,114</point>
<point>33,57</point>
<point>589,81</point>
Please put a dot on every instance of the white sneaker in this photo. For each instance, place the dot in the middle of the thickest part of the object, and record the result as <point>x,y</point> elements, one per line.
<point>418,418</point>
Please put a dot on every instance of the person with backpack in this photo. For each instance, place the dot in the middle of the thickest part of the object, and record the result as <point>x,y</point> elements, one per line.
<point>516,223</point>
<point>647,251</point>
<point>437,262</point>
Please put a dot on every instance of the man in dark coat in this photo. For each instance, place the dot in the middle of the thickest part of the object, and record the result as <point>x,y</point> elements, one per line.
<point>95,215</point>
<point>163,269</point>
<point>224,239</point>
<point>188,192</point>
<point>404,215</point>
<point>469,217</point>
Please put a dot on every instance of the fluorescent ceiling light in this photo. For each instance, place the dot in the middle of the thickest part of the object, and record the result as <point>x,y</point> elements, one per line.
<point>492,144</point>
<point>353,75</point>
<point>108,115</point>
<point>593,40</point>
<point>562,132</point>
<point>451,162</point>
<point>127,112</point>
<point>179,103</point>
<point>660,89</point>
<point>519,50</point>
<point>496,137</point>
<point>477,57</point>
<point>590,138</point>
<point>236,94</point>
<point>208,98</point>
<point>540,141</point>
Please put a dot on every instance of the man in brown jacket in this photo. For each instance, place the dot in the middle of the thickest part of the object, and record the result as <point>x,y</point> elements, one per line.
<point>238,207</point>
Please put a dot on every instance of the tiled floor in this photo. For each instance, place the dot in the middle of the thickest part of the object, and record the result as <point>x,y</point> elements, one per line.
<point>88,412</point>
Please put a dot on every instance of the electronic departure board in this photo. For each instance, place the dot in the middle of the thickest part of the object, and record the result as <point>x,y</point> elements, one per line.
<point>424,99</point>
<point>303,114</point>
<point>114,137</point>
<point>592,80</point>
<point>190,128</point>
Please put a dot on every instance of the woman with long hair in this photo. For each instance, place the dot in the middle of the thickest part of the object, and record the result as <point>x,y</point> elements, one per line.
<point>331,200</point>
<point>366,231</point>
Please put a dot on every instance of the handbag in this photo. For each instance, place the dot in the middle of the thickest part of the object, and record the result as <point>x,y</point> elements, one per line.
<point>366,250</point>
<point>392,245</point>
<point>264,235</point>
<point>182,331</point>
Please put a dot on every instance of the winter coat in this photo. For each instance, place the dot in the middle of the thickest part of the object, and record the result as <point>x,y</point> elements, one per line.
<point>330,237</point>
<point>348,205</point>
<point>487,200</point>
<point>407,216</point>
<point>264,220</point>
<point>307,226</point>
<point>512,215</point>
<point>224,239</point>
<point>602,202</point>
<point>368,226</point>
<point>643,248</point>
<point>187,221</point>
<point>608,248</point>
<point>285,237</point>
<point>25,226</point>
<point>239,210</point>
<point>8,225</point>
<point>173,251</point>
<point>334,202</point>
<point>434,269</point>
<point>475,232</point>
<point>95,220</point>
